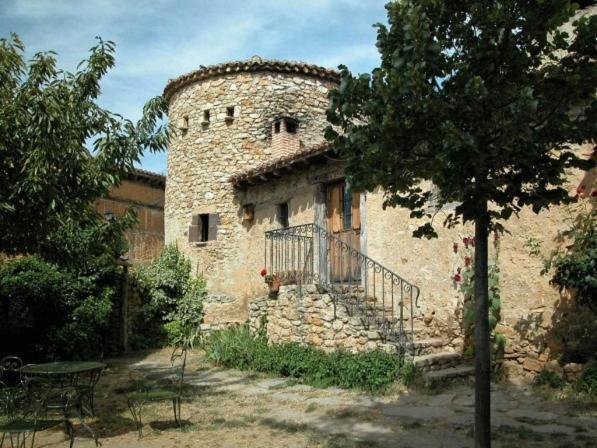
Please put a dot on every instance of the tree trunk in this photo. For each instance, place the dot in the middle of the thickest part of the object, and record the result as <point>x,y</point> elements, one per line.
<point>482,350</point>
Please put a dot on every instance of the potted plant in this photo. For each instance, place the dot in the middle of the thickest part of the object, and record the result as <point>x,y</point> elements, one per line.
<point>272,280</point>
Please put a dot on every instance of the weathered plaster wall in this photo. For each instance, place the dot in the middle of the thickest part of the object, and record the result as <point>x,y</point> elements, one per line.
<point>146,238</point>
<point>202,158</point>
<point>528,301</point>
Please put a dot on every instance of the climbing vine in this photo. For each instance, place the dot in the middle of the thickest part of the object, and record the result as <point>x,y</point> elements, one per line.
<point>463,277</point>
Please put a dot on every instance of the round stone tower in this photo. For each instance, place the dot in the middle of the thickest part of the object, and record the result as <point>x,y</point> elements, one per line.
<point>230,118</point>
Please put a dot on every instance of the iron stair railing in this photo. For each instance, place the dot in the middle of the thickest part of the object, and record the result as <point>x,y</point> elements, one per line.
<point>382,299</point>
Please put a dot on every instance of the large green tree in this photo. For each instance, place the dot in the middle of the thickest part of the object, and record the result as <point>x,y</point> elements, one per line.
<point>49,177</point>
<point>486,100</point>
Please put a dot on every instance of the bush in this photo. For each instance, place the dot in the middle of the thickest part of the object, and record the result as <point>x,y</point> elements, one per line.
<point>171,301</point>
<point>235,347</point>
<point>588,380</point>
<point>48,312</point>
<point>550,379</point>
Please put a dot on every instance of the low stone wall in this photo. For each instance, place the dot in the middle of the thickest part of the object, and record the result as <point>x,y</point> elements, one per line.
<point>306,316</point>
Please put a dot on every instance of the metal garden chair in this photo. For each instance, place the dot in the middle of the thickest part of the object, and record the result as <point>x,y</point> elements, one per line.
<point>10,371</point>
<point>24,414</point>
<point>156,392</point>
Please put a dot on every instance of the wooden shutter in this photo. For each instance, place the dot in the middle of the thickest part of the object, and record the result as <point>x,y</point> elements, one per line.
<point>334,209</point>
<point>212,226</point>
<point>195,229</point>
<point>194,234</point>
<point>356,211</point>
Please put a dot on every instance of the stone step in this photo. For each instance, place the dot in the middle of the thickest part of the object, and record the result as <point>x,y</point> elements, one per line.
<point>427,346</point>
<point>449,373</point>
<point>437,361</point>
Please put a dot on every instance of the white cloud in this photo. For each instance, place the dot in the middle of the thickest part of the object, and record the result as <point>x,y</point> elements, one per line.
<point>161,39</point>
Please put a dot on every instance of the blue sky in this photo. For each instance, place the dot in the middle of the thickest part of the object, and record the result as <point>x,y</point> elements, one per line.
<point>162,39</point>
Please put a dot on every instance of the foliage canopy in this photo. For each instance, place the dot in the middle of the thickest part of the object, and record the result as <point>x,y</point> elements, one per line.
<point>48,177</point>
<point>486,99</point>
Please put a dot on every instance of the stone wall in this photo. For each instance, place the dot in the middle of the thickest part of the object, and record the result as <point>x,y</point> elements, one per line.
<point>306,316</point>
<point>203,155</point>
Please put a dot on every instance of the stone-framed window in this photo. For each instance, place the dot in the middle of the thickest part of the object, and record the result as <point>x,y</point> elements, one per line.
<point>230,112</point>
<point>204,228</point>
<point>206,117</point>
<point>183,125</point>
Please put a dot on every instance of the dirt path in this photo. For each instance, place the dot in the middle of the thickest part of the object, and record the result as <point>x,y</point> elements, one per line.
<point>235,409</point>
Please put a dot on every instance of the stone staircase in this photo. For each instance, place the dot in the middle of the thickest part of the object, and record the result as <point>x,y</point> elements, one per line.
<point>431,356</point>
<point>437,362</point>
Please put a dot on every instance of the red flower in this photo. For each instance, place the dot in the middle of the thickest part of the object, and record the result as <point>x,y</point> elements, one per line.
<point>467,261</point>
<point>263,272</point>
<point>457,277</point>
<point>594,193</point>
<point>465,240</point>
<point>455,248</point>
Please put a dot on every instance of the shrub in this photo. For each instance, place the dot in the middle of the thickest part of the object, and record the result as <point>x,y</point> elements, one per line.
<point>48,312</point>
<point>235,347</point>
<point>587,383</point>
<point>171,301</point>
<point>550,379</point>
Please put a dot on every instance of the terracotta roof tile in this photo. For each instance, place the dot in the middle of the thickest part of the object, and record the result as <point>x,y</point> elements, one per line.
<point>281,162</point>
<point>148,177</point>
<point>255,64</point>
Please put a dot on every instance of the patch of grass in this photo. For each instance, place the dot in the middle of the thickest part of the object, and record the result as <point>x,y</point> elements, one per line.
<point>373,371</point>
<point>219,422</point>
<point>289,427</point>
<point>250,418</point>
<point>342,441</point>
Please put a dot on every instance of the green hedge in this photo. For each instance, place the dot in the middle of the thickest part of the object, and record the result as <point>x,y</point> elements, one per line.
<point>47,312</point>
<point>375,370</point>
<point>171,300</point>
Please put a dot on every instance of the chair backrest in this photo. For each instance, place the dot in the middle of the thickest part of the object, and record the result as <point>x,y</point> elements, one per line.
<point>179,363</point>
<point>17,401</point>
<point>10,370</point>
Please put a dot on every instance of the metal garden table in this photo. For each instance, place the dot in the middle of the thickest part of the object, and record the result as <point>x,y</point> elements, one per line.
<point>71,384</point>
<point>82,375</point>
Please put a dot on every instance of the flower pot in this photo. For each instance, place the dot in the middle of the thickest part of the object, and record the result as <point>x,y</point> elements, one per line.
<point>274,286</point>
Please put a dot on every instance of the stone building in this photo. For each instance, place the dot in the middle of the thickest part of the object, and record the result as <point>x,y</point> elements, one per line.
<point>251,185</point>
<point>144,192</point>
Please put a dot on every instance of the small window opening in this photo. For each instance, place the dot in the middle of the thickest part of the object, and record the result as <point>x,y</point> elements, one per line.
<point>204,228</point>
<point>183,124</point>
<point>230,112</point>
<point>277,127</point>
<point>283,214</point>
<point>206,117</point>
<point>291,126</point>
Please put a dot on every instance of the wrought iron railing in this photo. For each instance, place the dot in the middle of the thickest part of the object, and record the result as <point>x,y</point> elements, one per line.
<point>308,253</point>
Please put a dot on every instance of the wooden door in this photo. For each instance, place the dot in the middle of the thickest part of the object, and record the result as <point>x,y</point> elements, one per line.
<point>343,221</point>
